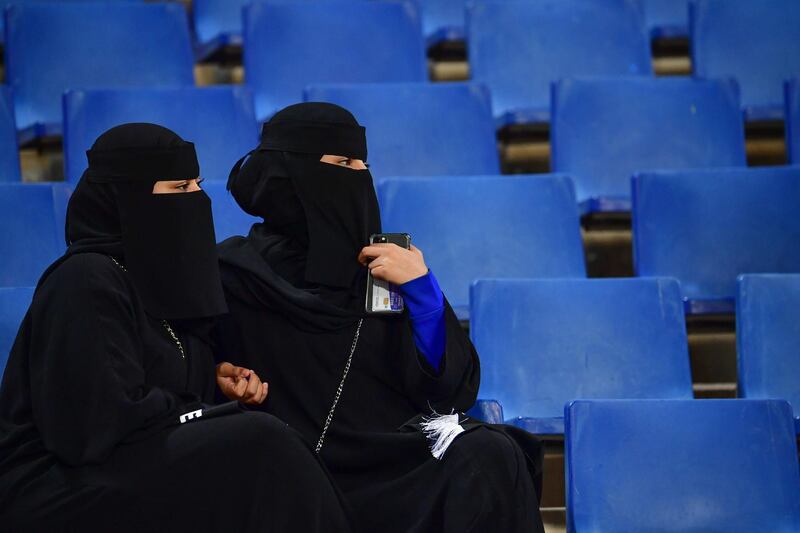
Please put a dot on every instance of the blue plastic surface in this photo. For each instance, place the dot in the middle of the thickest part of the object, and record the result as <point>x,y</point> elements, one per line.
<point>472,227</point>
<point>54,47</point>
<point>544,343</point>
<point>220,121</point>
<point>705,227</point>
<point>768,337</point>
<point>14,304</point>
<point>9,151</point>
<point>716,466</point>
<point>443,20</point>
<point>667,18</point>
<point>792,124</point>
<point>519,47</point>
<point>215,19</point>
<point>489,411</point>
<point>421,129</point>
<point>229,219</point>
<point>755,41</point>
<point>290,46</point>
<point>605,130</point>
<point>32,217</point>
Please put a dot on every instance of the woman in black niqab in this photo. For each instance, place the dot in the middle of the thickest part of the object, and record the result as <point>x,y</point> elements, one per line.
<point>106,422</point>
<point>359,385</point>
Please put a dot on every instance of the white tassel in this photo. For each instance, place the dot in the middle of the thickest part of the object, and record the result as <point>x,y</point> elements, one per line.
<point>441,430</point>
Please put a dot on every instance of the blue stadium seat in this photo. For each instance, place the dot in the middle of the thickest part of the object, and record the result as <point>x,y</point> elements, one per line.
<point>32,217</point>
<point>219,120</point>
<point>667,18</point>
<point>9,151</point>
<point>755,41</point>
<point>290,46</point>
<point>407,123</point>
<point>544,343</point>
<point>54,47</point>
<point>518,48</point>
<point>705,227</point>
<point>229,219</point>
<point>792,106</point>
<point>604,130</point>
<point>768,338</point>
<point>659,465</point>
<point>217,24</point>
<point>443,20</point>
<point>472,227</point>
<point>14,304</point>
<point>489,411</point>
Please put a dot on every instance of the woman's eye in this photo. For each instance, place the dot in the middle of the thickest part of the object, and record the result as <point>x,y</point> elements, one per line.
<point>345,162</point>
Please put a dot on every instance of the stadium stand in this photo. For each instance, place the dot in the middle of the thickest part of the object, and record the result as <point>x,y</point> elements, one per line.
<point>14,302</point>
<point>54,47</point>
<point>667,18</point>
<point>486,227</point>
<point>9,151</point>
<point>220,121</point>
<point>605,130</point>
<point>768,337</point>
<point>712,465</point>
<point>705,227</point>
<point>544,343</point>
<point>547,40</point>
<point>792,110</point>
<point>289,46</point>
<point>229,219</point>
<point>32,217</point>
<point>755,41</point>
<point>421,129</point>
<point>443,20</point>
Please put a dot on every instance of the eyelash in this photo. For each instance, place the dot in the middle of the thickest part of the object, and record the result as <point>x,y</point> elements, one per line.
<point>347,163</point>
<point>186,185</point>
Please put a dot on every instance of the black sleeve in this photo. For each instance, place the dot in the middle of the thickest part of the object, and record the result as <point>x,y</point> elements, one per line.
<point>87,380</point>
<point>455,385</point>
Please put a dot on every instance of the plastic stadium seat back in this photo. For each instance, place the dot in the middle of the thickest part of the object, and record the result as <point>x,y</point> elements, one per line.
<point>443,20</point>
<point>792,106</point>
<point>32,217</point>
<point>14,302</point>
<point>220,121</point>
<point>755,41</point>
<point>9,151</point>
<point>667,18</point>
<point>421,129</point>
<point>52,47</point>
<point>229,219</point>
<point>288,46</point>
<point>472,227</point>
<point>605,130</point>
<point>215,18</point>
<point>547,40</point>
<point>705,227</point>
<point>544,343</point>
<point>695,465</point>
<point>768,337</point>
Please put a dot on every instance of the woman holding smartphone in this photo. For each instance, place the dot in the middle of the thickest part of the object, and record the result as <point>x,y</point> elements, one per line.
<point>105,422</point>
<point>366,388</point>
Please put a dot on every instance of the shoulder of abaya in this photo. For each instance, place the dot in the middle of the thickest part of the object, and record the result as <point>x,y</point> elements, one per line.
<point>83,270</point>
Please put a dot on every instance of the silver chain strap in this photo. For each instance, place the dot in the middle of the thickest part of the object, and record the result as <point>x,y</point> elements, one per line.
<point>163,322</point>
<point>340,388</point>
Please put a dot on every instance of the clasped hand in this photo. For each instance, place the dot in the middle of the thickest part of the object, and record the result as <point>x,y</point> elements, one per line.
<point>241,384</point>
<point>392,263</point>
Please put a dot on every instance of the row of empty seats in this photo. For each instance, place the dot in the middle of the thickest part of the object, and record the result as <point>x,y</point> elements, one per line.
<point>517,48</point>
<point>703,227</point>
<point>604,130</point>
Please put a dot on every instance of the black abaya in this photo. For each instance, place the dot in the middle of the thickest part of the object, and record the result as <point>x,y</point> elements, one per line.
<point>89,432</point>
<point>380,460</point>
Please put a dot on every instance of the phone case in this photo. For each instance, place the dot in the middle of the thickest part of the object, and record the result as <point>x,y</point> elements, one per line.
<point>384,297</point>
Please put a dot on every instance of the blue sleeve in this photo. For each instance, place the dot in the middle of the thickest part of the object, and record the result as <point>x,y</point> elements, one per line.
<point>425,303</point>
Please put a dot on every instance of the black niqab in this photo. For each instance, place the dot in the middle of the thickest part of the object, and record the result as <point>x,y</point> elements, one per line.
<point>317,216</point>
<point>166,241</point>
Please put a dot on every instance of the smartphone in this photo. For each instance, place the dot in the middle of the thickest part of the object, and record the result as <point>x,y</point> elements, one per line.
<point>382,296</point>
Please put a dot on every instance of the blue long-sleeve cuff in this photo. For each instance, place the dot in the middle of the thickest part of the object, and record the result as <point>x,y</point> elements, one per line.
<point>425,303</point>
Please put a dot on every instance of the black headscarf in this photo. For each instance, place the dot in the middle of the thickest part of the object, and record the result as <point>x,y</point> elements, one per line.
<point>165,241</point>
<point>317,216</point>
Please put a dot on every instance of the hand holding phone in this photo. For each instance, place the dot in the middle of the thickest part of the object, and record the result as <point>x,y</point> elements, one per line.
<point>392,261</point>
